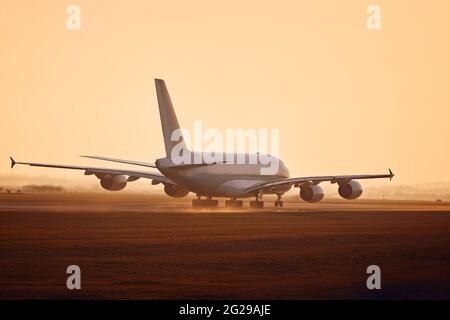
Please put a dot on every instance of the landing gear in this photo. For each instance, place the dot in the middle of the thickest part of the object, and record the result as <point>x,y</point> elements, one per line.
<point>279,202</point>
<point>257,203</point>
<point>205,203</point>
<point>233,203</point>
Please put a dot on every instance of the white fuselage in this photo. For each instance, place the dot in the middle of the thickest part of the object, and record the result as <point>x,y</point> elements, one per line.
<point>222,179</point>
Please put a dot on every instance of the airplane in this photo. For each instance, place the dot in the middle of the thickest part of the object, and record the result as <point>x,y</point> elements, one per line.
<point>213,180</point>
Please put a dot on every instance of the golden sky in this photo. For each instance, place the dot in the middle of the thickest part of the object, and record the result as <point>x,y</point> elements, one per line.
<point>346,99</point>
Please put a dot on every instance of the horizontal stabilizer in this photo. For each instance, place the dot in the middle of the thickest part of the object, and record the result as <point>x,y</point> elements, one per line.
<point>136,163</point>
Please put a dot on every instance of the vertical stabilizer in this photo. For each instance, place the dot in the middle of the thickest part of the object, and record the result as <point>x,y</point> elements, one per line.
<point>169,120</point>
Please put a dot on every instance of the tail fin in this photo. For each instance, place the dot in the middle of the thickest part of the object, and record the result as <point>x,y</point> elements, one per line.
<point>169,120</point>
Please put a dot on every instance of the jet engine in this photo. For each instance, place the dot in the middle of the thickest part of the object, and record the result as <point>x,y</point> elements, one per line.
<point>113,182</point>
<point>350,189</point>
<point>175,191</point>
<point>311,193</point>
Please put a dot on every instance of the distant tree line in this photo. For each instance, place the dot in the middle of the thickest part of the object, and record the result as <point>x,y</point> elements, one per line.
<point>32,188</point>
<point>42,188</point>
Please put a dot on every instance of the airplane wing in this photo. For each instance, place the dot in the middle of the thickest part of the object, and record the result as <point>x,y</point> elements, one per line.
<point>297,182</point>
<point>132,174</point>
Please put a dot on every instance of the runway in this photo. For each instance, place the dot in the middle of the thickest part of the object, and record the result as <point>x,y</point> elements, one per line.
<point>151,247</point>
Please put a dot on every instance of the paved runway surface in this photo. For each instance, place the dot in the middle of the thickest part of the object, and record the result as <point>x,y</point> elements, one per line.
<point>134,246</point>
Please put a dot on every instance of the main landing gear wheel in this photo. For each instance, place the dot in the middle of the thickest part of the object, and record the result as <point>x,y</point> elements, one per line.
<point>279,202</point>
<point>205,203</point>
<point>257,203</point>
<point>233,203</point>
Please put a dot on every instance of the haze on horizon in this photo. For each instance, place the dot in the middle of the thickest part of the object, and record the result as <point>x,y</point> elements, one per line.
<point>347,100</point>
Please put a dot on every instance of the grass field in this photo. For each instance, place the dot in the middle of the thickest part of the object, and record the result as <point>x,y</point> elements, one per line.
<point>149,247</point>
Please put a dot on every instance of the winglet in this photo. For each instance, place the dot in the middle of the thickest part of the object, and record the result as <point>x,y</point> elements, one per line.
<point>391,174</point>
<point>13,162</point>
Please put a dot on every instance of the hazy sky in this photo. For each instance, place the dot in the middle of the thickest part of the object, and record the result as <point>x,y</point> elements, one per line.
<point>346,99</point>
